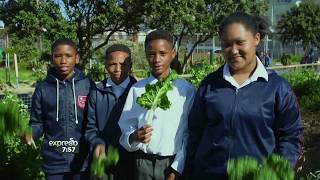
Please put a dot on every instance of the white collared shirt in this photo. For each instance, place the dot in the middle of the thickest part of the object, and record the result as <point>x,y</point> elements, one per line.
<point>118,89</point>
<point>169,135</point>
<point>260,71</point>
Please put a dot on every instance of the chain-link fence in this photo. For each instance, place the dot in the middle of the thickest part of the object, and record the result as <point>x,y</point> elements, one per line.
<point>26,98</point>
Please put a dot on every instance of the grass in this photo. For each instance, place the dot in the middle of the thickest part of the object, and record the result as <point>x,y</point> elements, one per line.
<point>25,75</point>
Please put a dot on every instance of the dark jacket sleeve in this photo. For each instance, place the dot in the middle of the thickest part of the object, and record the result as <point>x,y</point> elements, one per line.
<point>91,134</point>
<point>36,121</point>
<point>196,123</point>
<point>289,127</point>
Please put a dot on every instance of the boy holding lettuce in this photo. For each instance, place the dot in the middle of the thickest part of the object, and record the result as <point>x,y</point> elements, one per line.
<point>157,134</point>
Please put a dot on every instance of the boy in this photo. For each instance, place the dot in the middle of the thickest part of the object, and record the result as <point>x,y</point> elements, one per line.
<point>160,147</point>
<point>105,106</point>
<point>58,107</point>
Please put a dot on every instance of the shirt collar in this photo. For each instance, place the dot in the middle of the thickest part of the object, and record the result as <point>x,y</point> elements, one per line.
<point>124,84</point>
<point>260,71</point>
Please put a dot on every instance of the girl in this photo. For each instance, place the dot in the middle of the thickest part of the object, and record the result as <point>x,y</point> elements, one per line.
<point>241,109</point>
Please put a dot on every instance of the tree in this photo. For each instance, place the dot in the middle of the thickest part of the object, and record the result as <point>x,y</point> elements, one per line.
<point>101,17</point>
<point>31,23</point>
<point>195,18</point>
<point>301,24</point>
<point>81,20</point>
<point>43,21</point>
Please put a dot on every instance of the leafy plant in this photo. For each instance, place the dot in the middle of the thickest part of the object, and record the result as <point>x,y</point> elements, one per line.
<point>296,58</point>
<point>39,68</point>
<point>242,168</point>
<point>198,73</point>
<point>99,165</point>
<point>156,95</point>
<point>96,72</point>
<point>219,61</point>
<point>285,60</point>
<point>306,85</point>
<point>20,161</point>
<point>13,117</point>
<point>273,167</point>
<point>280,166</point>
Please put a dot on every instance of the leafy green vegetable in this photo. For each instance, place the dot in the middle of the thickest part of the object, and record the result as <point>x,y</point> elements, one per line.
<point>280,166</point>
<point>266,173</point>
<point>200,71</point>
<point>273,167</point>
<point>13,117</point>
<point>156,95</point>
<point>99,165</point>
<point>242,168</point>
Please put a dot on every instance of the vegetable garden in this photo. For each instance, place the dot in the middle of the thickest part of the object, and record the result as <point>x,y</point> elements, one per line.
<point>24,162</point>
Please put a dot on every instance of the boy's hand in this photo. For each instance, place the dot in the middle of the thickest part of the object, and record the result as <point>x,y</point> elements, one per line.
<point>29,140</point>
<point>173,176</point>
<point>100,150</point>
<point>142,134</point>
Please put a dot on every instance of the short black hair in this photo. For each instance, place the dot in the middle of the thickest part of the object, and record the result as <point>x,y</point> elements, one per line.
<point>159,34</point>
<point>64,41</point>
<point>254,23</point>
<point>118,47</point>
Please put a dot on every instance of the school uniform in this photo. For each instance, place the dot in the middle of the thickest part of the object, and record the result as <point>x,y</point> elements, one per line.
<point>166,150</point>
<point>228,120</point>
<point>58,112</point>
<point>105,106</point>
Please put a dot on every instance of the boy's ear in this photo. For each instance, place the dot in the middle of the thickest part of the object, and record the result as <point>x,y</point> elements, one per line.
<point>257,39</point>
<point>77,58</point>
<point>173,53</point>
<point>129,61</point>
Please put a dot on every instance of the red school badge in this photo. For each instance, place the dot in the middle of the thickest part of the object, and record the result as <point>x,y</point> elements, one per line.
<point>82,101</point>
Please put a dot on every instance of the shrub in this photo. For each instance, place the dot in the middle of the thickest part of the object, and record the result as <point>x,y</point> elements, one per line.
<point>296,58</point>
<point>200,71</point>
<point>14,117</point>
<point>306,85</point>
<point>285,60</point>
<point>19,161</point>
<point>96,72</point>
<point>39,68</point>
<point>219,61</point>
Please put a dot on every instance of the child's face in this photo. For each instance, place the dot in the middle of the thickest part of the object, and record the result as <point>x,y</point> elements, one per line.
<point>64,59</point>
<point>239,47</point>
<point>160,54</point>
<point>118,66</point>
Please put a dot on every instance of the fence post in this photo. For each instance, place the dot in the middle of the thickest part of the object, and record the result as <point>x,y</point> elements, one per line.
<point>211,56</point>
<point>16,68</point>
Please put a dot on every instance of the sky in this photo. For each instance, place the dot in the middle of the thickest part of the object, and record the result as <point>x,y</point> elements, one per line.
<point>61,7</point>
